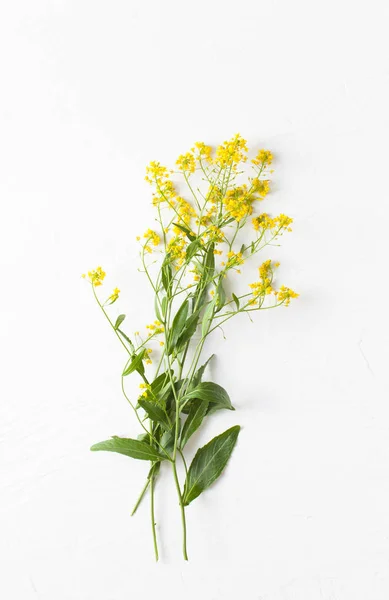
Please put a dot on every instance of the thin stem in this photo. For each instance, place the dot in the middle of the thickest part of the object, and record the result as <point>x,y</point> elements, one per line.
<point>141,495</point>
<point>182,507</point>
<point>153,518</point>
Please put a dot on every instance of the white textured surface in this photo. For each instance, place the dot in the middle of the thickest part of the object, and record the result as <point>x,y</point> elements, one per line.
<point>91,92</point>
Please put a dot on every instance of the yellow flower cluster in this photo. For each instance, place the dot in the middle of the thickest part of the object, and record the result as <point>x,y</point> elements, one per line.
<point>185,212</point>
<point>231,152</point>
<point>238,202</point>
<point>176,249</point>
<point>234,260</point>
<point>186,162</point>
<point>260,186</point>
<point>264,221</point>
<point>152,237</point>
<point>114,296</point>
<point>147,358</point>
<point>96,277</point>
<point>155,328</point>
<point>285,294</point>
<point>203,152</point>
<point>263,287</point>
<point>264,157</point>
<point>145,387</point>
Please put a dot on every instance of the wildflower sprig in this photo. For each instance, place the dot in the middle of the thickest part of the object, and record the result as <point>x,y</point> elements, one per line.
<point>196,245</point>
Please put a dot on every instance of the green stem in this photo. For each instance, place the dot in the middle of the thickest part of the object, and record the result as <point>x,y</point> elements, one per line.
<point>182,507</point>
<point>153,518</point>
<point>140,497</point>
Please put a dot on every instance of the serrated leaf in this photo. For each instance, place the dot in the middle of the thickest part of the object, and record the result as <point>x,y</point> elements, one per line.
<point>136,364</point>
<point>196,415</point>
<point>213,393</point>
<point>155,413</point>
<point>119,321</point>
<point>129,447</point>
<point>177,326</point>
<point>236,300</point>
<point>208,463</point>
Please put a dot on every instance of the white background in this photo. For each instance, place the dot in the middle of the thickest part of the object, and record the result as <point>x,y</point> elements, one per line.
<point>91,91</point>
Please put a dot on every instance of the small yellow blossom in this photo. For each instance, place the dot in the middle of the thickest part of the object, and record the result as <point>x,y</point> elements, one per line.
<point>186,162</point>
<point>285,294</point>
<point>152,236</point>
<point>264,221</point>
<point>114,296</point>
<point>264,157</point>
<point>96,277</point>
<point>203,152</point>
<point>231,152</point>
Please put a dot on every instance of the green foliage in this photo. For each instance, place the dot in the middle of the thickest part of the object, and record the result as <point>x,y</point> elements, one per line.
<point>208,463</point>
<point>198,249</point>
<point>133,448</point>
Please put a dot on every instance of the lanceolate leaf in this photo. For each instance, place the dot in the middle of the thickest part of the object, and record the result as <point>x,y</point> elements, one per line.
<point>212,393</point>
<point>189,329</point>
<point>195,417</point>
<point>207,318</point>
<point>220,297</point>
<point>119,321</point>
<point>236,300</point>
<point>135,365</point>
<point>177,326</point>
<point>167,275</point>
<point>208,463</point>
<point>187,231</point>
<point>155,413</point>
<point>209,262</point>
<point>129,447</point>
<point>200,372</point>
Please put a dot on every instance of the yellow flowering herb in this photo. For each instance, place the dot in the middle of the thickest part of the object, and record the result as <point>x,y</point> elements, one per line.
<point>209,232</point>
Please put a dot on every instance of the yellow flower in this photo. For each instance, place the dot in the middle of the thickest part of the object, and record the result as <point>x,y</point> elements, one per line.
<point>186,162</point>
<point>260,186</point>
<point>263,287</point>
<point>238,202</point>
<point>96,277</point>
<point>264,221</point>
<point>231,152</point>
<point>114,296</point>
<point>285,294</point>
<point>152,236</point>
<point>155,328</point>
<point>203,152</point>
<point>264,157</point>
<point>234,259</point>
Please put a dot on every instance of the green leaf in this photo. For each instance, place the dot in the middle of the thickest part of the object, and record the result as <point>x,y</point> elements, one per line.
<point>200,372</point>
<point>192,249</point>
<point>177,326</point>
<point>208,463</point>
<point>207,317</point>
<point>213,393</point>
<point>136,364</point>
<point>161,382</point>
<point>220,297</point>
<point>236,300</point>
<point>187,231</point>
<point>154,470</point>
<point>196,415</point>
<point>156,308</point>
<point>209,262</point>
<point>119,321</point>
<point>129,447</point>
<point>155,413</point>
<point>189,329</point>
<point>124,336</point>
<point>167,274</point>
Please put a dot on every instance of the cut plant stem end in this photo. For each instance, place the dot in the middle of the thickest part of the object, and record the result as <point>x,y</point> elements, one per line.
<point>197,244</point>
